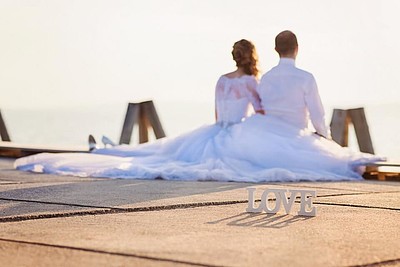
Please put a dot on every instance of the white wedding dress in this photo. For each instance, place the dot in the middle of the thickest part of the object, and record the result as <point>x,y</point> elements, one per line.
<point>257,149</point>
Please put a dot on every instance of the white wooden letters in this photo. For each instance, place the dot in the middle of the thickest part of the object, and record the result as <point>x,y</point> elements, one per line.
<point>283,199</point>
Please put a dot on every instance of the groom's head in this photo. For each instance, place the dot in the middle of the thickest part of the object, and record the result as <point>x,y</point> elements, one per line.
<point>286,44</point>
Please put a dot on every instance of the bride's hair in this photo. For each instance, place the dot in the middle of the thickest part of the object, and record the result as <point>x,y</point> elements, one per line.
<point>245,55</point>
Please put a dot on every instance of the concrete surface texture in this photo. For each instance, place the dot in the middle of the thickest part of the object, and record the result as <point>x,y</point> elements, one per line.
<point>49,220</point>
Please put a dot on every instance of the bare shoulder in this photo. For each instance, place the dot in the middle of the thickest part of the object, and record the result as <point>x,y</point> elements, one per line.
<point>238,75</point>
<point>231,75</point>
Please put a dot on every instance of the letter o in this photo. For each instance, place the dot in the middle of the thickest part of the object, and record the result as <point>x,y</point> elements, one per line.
<point>278,202</point>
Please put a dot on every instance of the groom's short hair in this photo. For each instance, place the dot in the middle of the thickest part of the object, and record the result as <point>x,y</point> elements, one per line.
<point>285,43</point>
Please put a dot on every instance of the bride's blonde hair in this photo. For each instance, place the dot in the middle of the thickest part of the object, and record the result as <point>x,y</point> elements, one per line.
<point>245,55</point>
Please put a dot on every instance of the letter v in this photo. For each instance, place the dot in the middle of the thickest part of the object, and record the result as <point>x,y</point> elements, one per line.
<point>288,203</point>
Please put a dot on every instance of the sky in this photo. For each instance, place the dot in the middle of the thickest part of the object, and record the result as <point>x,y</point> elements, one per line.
<point>69,53</point>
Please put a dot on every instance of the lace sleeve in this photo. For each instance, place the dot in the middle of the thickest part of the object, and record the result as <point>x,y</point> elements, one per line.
<point>252,93</point>
<point>219,92</point>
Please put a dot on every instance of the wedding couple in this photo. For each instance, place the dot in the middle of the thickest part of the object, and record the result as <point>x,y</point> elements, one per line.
<point>274,144</point>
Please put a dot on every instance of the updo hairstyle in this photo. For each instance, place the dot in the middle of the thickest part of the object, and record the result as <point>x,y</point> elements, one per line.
<point>245,55</point>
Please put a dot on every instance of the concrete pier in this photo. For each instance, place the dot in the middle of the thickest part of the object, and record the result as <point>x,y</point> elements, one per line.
<point>49,220</point>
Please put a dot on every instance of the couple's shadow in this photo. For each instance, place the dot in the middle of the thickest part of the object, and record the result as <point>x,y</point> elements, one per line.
<point>262,220</point>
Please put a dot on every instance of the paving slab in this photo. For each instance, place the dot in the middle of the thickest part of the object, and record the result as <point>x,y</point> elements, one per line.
<point>56,194</point>
<point>382,200</point>
<point>6,163</point>
<point>15,185</point>
<point>16,210</point>
<point>120,193</point>
<point>32,254</point>
<point>228,236</point>
<point>102,222</point>
<point>124,192</point>
<point>14,176</point>
<point>115,192</point>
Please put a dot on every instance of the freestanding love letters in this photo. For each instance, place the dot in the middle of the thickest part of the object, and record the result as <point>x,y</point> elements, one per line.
<point>306,201</point>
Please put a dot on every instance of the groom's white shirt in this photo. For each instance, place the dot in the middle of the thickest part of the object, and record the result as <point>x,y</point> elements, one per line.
<point>291,94</point>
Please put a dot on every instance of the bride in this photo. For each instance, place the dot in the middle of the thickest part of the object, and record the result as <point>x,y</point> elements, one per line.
<point>235,148</point>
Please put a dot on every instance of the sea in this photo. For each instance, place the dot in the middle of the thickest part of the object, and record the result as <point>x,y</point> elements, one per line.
<point>71,126</point>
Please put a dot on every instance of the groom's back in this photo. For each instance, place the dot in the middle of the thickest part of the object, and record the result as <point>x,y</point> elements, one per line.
<point>291,94</point>
<point>282,91</point>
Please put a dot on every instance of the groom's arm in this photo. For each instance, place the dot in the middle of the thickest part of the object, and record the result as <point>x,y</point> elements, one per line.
<point>316,109</point>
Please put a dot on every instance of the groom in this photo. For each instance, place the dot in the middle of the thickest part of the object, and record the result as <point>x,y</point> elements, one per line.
<point>289,93</point>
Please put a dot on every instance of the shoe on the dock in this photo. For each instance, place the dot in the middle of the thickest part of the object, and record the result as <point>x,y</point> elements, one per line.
<point>107,141</point>
<point>92,143</point>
